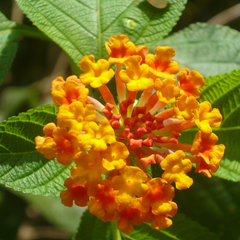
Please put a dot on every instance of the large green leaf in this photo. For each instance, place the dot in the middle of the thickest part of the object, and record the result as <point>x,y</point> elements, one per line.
<point>92,228</point>
<point>214,203</point>
<point>22,167</point>
<point>209,49</point>
<point>182,229</point>
<point>223,92</point>
<point>81,27</point>
<point>9,32</point>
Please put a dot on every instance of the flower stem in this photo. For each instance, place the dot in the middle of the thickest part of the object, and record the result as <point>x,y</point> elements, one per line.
<point>115,232</point>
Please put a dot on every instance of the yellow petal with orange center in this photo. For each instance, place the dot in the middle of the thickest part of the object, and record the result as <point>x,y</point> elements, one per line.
<point>136,76</point>
<point>167,91</point>
<point>175,168</point>
<point>184,107</point>
<point>96,74</point>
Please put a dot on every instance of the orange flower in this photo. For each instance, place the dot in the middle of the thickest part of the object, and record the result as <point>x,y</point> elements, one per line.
<point>74,192</point>
<point>89,168</point>
<point>176,167</point>
<point>190,83</point>
<point>66,92</point>
<point>119,49</point>
<point>132,181</point>
<point>160,64</point>
<point>102,204</point>
<point>130,215</point>
<point>57,142</point>
<point>209,154</point>
<point>96,74</point>
<point>114,143</point>
<point>159,197</point>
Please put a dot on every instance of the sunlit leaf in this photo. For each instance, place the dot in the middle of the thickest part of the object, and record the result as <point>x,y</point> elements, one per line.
<point>209,49</point>
<point>22,167</point>
<point>82,27</point>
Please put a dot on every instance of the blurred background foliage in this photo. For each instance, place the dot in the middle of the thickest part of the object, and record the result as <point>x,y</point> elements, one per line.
<point>28,84</point>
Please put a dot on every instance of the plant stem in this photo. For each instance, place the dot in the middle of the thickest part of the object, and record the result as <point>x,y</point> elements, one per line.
<point>115,232</point>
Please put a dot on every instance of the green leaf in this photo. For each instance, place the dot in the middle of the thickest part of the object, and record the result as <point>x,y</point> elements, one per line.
<point>9,33</point>
<point>82,27</point>
<point>92,228</point>
<point>182,229</point>
<point>8,46</point>
<point>209,49</point>
<point>223,92</point>
<point>21,166</point>
<point>214,203</point>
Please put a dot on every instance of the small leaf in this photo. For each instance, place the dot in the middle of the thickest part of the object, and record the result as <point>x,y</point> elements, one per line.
<point>22,167</point>
<point>82,27</point>
<point>209,49</point>
<point>223,92</point>
<point>182,229</point>
<point>92,228</point>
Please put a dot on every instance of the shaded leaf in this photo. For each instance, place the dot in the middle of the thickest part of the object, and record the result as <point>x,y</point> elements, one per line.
<point>182,229</point>
<point>214,203</point>
<point>92,228</point>
<point>9,33</point>
<point>8,45</point>
<point>22,167</point>
<point>209,49</point>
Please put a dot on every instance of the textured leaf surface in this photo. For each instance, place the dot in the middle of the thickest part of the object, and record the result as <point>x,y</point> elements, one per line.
<point>182,229</point>
<point>92,228</point>
<point>223,92</point>
<point>22,167</point>
<point>209,49</point>
<point>81,27</point>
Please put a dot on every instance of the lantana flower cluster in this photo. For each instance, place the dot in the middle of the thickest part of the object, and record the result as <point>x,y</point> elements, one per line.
<point>112,145</point>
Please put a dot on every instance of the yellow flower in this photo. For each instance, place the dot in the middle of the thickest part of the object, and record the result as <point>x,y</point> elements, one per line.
<point>75,115</point>
<point>95,74</point>
<point>115,156</point>
<point>167,91</point>
<point>97,136</point>
<point>88,169</point>
<point>136,76</point>
<point>176,167</point>
<point>205,117</point>
<point>184,107</point>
